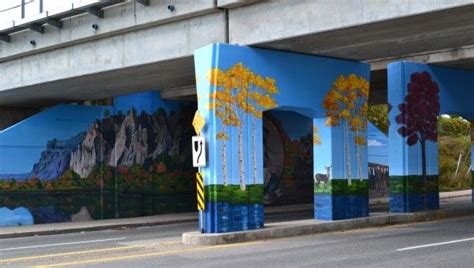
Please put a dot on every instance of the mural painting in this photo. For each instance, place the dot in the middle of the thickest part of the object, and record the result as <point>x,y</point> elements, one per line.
<point>346,106</point>
<point>235,85</point>
<point>472,157</point>
<point>417,122</point>
<point>98,162</point>
<point>419,93</point>
<point>288,158</point>
<point>239,100</point>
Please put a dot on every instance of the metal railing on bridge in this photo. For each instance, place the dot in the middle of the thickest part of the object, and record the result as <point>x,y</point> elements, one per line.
<point>19,15</point>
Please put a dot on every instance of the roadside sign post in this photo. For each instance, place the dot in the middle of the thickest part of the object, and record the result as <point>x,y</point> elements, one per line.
<point>199,161</point>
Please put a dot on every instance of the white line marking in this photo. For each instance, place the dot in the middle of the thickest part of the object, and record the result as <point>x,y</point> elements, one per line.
<point>437,244</point>
<point>65,244</point>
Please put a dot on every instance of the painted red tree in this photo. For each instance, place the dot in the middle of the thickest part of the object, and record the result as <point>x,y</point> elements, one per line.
<point>419,113</point>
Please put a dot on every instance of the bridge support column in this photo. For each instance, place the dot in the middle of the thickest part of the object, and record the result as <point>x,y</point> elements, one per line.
<point>472,159</point>
<point>340,167</point>
<point>413,149</point>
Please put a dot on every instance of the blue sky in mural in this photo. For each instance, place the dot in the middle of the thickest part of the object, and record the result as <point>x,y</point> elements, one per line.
<point>322,152</point>
<point>22,144</point>
<point>144,101</point>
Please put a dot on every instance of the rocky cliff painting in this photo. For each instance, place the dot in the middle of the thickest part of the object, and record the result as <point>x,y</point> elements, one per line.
<point>132,159</point>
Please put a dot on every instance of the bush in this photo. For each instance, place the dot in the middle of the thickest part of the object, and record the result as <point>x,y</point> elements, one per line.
<point>449,150</point>
<point>453,126</point>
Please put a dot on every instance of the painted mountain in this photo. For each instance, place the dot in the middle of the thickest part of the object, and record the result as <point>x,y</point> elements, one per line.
<point>77,162</point>
<point>120,140</point>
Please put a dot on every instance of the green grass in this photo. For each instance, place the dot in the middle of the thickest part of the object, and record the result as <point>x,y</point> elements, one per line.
<point>341,187</point>
<point>231,193</point>
<point>413,184</point>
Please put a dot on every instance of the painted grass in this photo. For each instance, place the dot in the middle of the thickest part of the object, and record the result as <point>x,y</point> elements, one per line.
<point>413,184</point>
<point>231,193</point>
<point>341,187</point>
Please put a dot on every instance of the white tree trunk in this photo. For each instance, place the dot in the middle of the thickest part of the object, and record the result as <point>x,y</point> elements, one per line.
<point>347,152</point>
<point>254,152</point>
<point>224,162</point>
<point>241,160</point>
<point>359,160</point>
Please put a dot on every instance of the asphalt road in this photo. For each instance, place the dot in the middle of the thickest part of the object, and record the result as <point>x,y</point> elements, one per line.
<point>447,243</point>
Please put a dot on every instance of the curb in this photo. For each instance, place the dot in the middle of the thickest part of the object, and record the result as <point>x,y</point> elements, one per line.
<point>305,227</point>
<point>65,228</point>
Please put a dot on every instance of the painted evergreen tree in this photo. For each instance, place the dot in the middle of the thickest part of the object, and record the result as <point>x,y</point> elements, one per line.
<point>419,114</point>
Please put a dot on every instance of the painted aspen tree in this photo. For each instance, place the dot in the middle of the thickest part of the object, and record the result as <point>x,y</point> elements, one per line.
<point>242,93</point>
<point>346,104</point>
<point>221,102</point>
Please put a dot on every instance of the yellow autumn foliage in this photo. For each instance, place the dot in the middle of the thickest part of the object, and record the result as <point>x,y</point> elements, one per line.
<point>316,138</point>
<point>347,100</point>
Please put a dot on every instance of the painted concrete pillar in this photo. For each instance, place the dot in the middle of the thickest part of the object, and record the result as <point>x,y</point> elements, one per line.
<point>235,85</point>
<point>413,150</point>
<point>340,167</point>
<point>234,177</point>
<point>472,158</point>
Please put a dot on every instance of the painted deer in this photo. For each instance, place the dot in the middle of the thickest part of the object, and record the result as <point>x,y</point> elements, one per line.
<point>324,178</point>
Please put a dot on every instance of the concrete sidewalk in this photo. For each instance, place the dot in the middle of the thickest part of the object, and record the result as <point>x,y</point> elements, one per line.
<point>74,227</point>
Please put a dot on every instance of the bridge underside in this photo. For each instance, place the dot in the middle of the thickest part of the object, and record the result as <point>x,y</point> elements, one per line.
<point>442,37</point>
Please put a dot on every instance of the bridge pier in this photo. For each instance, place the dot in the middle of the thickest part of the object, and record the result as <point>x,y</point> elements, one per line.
<point>344,162</point>
<point>235,85</point>
<point>418,94</point>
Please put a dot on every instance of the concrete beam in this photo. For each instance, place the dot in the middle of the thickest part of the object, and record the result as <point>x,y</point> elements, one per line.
<point>119,19</point>
<point>5,38</point>
<point>462,57</point>
<point>98,12</point>
<point>36,28</point>
<point>144,2</point>
<point>55,23</point>
<point>179,93</point>
<point>235,3</point>
<point>150,58</point>
<point>282,19</point>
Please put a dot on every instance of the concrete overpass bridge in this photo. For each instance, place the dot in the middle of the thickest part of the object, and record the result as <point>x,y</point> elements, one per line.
<point>96,50</point>
<point>137,47</point>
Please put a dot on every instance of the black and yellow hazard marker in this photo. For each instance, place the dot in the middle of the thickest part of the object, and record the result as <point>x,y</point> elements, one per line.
<point>200,191</point>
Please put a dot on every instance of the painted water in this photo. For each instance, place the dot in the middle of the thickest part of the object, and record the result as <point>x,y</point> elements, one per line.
<point>233,217</point>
